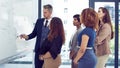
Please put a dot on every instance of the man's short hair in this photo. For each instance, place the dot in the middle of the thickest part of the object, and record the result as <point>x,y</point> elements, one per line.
<point>77,16</point>
<point>49,7</point>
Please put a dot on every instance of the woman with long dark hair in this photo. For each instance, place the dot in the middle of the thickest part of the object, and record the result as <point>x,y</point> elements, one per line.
<point>51,47</point>
<point>104,35</point>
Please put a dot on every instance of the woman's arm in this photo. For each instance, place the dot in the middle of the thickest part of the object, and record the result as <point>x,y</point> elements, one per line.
<point>55,48</point>
<point>82,49</point>
<point>104,32</point>
<point>46,55</point>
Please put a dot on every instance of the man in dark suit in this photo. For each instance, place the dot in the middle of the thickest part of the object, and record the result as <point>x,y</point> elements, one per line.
<point>40,31</point>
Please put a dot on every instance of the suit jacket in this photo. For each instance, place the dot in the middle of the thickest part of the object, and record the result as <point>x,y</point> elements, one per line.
<point>102,42</point>
<point>37,31</point>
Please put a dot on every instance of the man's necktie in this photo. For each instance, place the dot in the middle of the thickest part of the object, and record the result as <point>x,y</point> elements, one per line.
<point>46,23</point>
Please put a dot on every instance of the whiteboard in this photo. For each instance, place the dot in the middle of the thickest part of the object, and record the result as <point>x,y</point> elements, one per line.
<point>14,22</point>
<point>7,31</point>
<point>7,39</point>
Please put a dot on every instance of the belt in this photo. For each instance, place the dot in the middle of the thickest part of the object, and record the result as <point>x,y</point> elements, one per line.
<point>86,48</point>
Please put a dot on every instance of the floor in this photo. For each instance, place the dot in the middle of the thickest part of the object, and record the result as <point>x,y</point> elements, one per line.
<point>30,66</point>
<point>26,62</point>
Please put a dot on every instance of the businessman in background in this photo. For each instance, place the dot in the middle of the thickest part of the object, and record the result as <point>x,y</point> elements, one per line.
<point>40,31</point>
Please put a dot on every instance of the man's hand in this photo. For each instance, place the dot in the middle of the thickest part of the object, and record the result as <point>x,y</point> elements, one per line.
<point>23,36</point>
<point>41,57</point>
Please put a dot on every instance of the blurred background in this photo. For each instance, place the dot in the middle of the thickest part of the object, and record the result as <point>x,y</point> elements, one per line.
<point>19,16</point>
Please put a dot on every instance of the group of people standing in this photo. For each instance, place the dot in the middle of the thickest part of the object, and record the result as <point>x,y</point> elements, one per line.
<point>89,46</point>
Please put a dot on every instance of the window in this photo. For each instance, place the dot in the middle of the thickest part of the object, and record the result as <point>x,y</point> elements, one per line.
<point>16,17</point>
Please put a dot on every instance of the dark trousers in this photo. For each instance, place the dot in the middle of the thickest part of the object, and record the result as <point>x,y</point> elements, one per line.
<point>38,63</point>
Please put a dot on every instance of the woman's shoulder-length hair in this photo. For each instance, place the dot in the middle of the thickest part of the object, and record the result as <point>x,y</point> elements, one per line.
<point>89,18</point>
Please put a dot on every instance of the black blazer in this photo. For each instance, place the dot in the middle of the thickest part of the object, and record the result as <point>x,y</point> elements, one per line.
<point>37,33</point>
<point>54,46</point>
